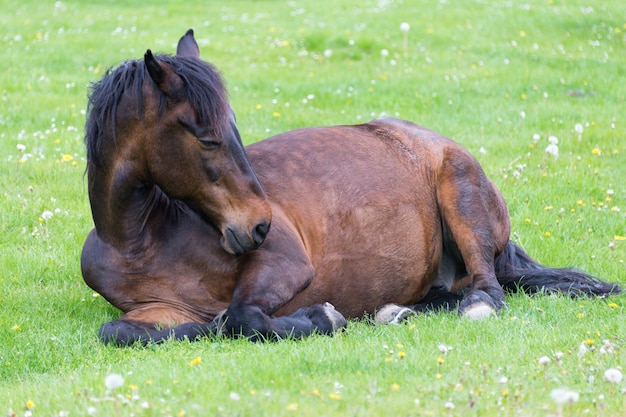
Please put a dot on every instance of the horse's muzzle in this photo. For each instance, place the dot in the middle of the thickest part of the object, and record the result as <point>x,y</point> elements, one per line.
<point>237,242</point>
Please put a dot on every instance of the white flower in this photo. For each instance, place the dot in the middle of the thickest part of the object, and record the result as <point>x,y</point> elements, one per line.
<point>20,147</point>
<point>113,381</point>
<point>404,27</point>
<point>46,215</point>
<point>234,396</point>
<point>328,53</point>
<point>563,395</point>
<point>610,192</point>
<point>553,140</point>
<point>613,375</point>
<point>544,361</point>
<point>384,52</point>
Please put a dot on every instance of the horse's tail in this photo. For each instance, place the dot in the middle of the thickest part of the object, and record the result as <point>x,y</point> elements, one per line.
<point>516,271</point>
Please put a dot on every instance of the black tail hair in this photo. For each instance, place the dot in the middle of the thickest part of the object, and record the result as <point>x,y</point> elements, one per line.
<point>516,271</point>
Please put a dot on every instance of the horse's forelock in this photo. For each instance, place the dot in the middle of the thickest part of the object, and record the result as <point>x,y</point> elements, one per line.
<point>204,89</point>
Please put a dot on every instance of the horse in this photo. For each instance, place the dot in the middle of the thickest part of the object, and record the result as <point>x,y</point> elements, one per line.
<point>196,235</point>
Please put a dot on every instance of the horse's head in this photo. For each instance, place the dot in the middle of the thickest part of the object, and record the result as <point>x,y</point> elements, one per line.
<point>192,149</point>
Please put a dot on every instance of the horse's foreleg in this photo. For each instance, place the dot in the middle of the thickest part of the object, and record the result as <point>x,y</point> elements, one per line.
<point>476,226</point>
<point>126,332</point>
<point>269,279</point>
<point>253,322</point>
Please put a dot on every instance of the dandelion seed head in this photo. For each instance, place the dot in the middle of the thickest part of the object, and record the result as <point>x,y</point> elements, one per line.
<point>613,375</point>
<point>405,27</point>
<point>543,361</point>
<point>564,395</point>
<point>46,215</point>
<point>552,149</point>
<point>113,381</point>
<point>578,128</point>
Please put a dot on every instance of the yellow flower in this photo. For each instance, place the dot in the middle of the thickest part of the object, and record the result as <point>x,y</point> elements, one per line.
<point>588,342</point>
<point>440,360</point>
<point>548,234</point>
<point>613,305</point>
<point>16,327</point>
<point>195,361</point>
<point>548,207</point>
<point>401,354</point>
<point>30,405</point>
<point>580,315</point>
<point>596,151</point>
<point>334,396</point>
<point>292,406</point>
<point>617,237</point>
<point>67,157</point>
<point>395,387</point>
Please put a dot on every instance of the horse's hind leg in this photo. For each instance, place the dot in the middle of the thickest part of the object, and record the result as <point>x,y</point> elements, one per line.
<point>437,299</point>
<point>475,227</point>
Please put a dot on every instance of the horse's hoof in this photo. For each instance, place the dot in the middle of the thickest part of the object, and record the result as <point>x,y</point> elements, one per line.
<point>392,314</point>
<point>478,311</point>
<point>336,318</point>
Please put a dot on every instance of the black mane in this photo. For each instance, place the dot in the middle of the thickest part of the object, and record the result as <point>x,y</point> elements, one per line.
<point>205,90</point>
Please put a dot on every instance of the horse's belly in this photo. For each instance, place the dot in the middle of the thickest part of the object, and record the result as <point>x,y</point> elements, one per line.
<point>384,257</point>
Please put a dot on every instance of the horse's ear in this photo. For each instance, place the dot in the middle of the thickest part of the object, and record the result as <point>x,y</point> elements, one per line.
<point>165,78</point>
<point>187,46</point>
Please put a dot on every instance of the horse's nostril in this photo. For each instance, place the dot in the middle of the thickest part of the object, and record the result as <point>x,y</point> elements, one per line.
<point>260,232</point>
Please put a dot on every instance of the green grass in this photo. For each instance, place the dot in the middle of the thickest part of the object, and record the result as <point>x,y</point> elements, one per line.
<point>470,71</point>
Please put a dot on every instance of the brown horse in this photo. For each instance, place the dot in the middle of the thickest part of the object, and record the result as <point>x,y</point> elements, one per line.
<point>361,217</point>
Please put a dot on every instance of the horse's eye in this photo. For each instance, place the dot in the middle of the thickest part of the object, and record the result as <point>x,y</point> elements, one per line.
<point>210,143</point>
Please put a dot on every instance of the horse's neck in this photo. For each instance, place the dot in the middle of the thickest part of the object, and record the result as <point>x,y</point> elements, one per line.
<point>123,211</point>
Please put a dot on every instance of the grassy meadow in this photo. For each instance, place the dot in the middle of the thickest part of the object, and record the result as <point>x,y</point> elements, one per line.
<point>536,90</point>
